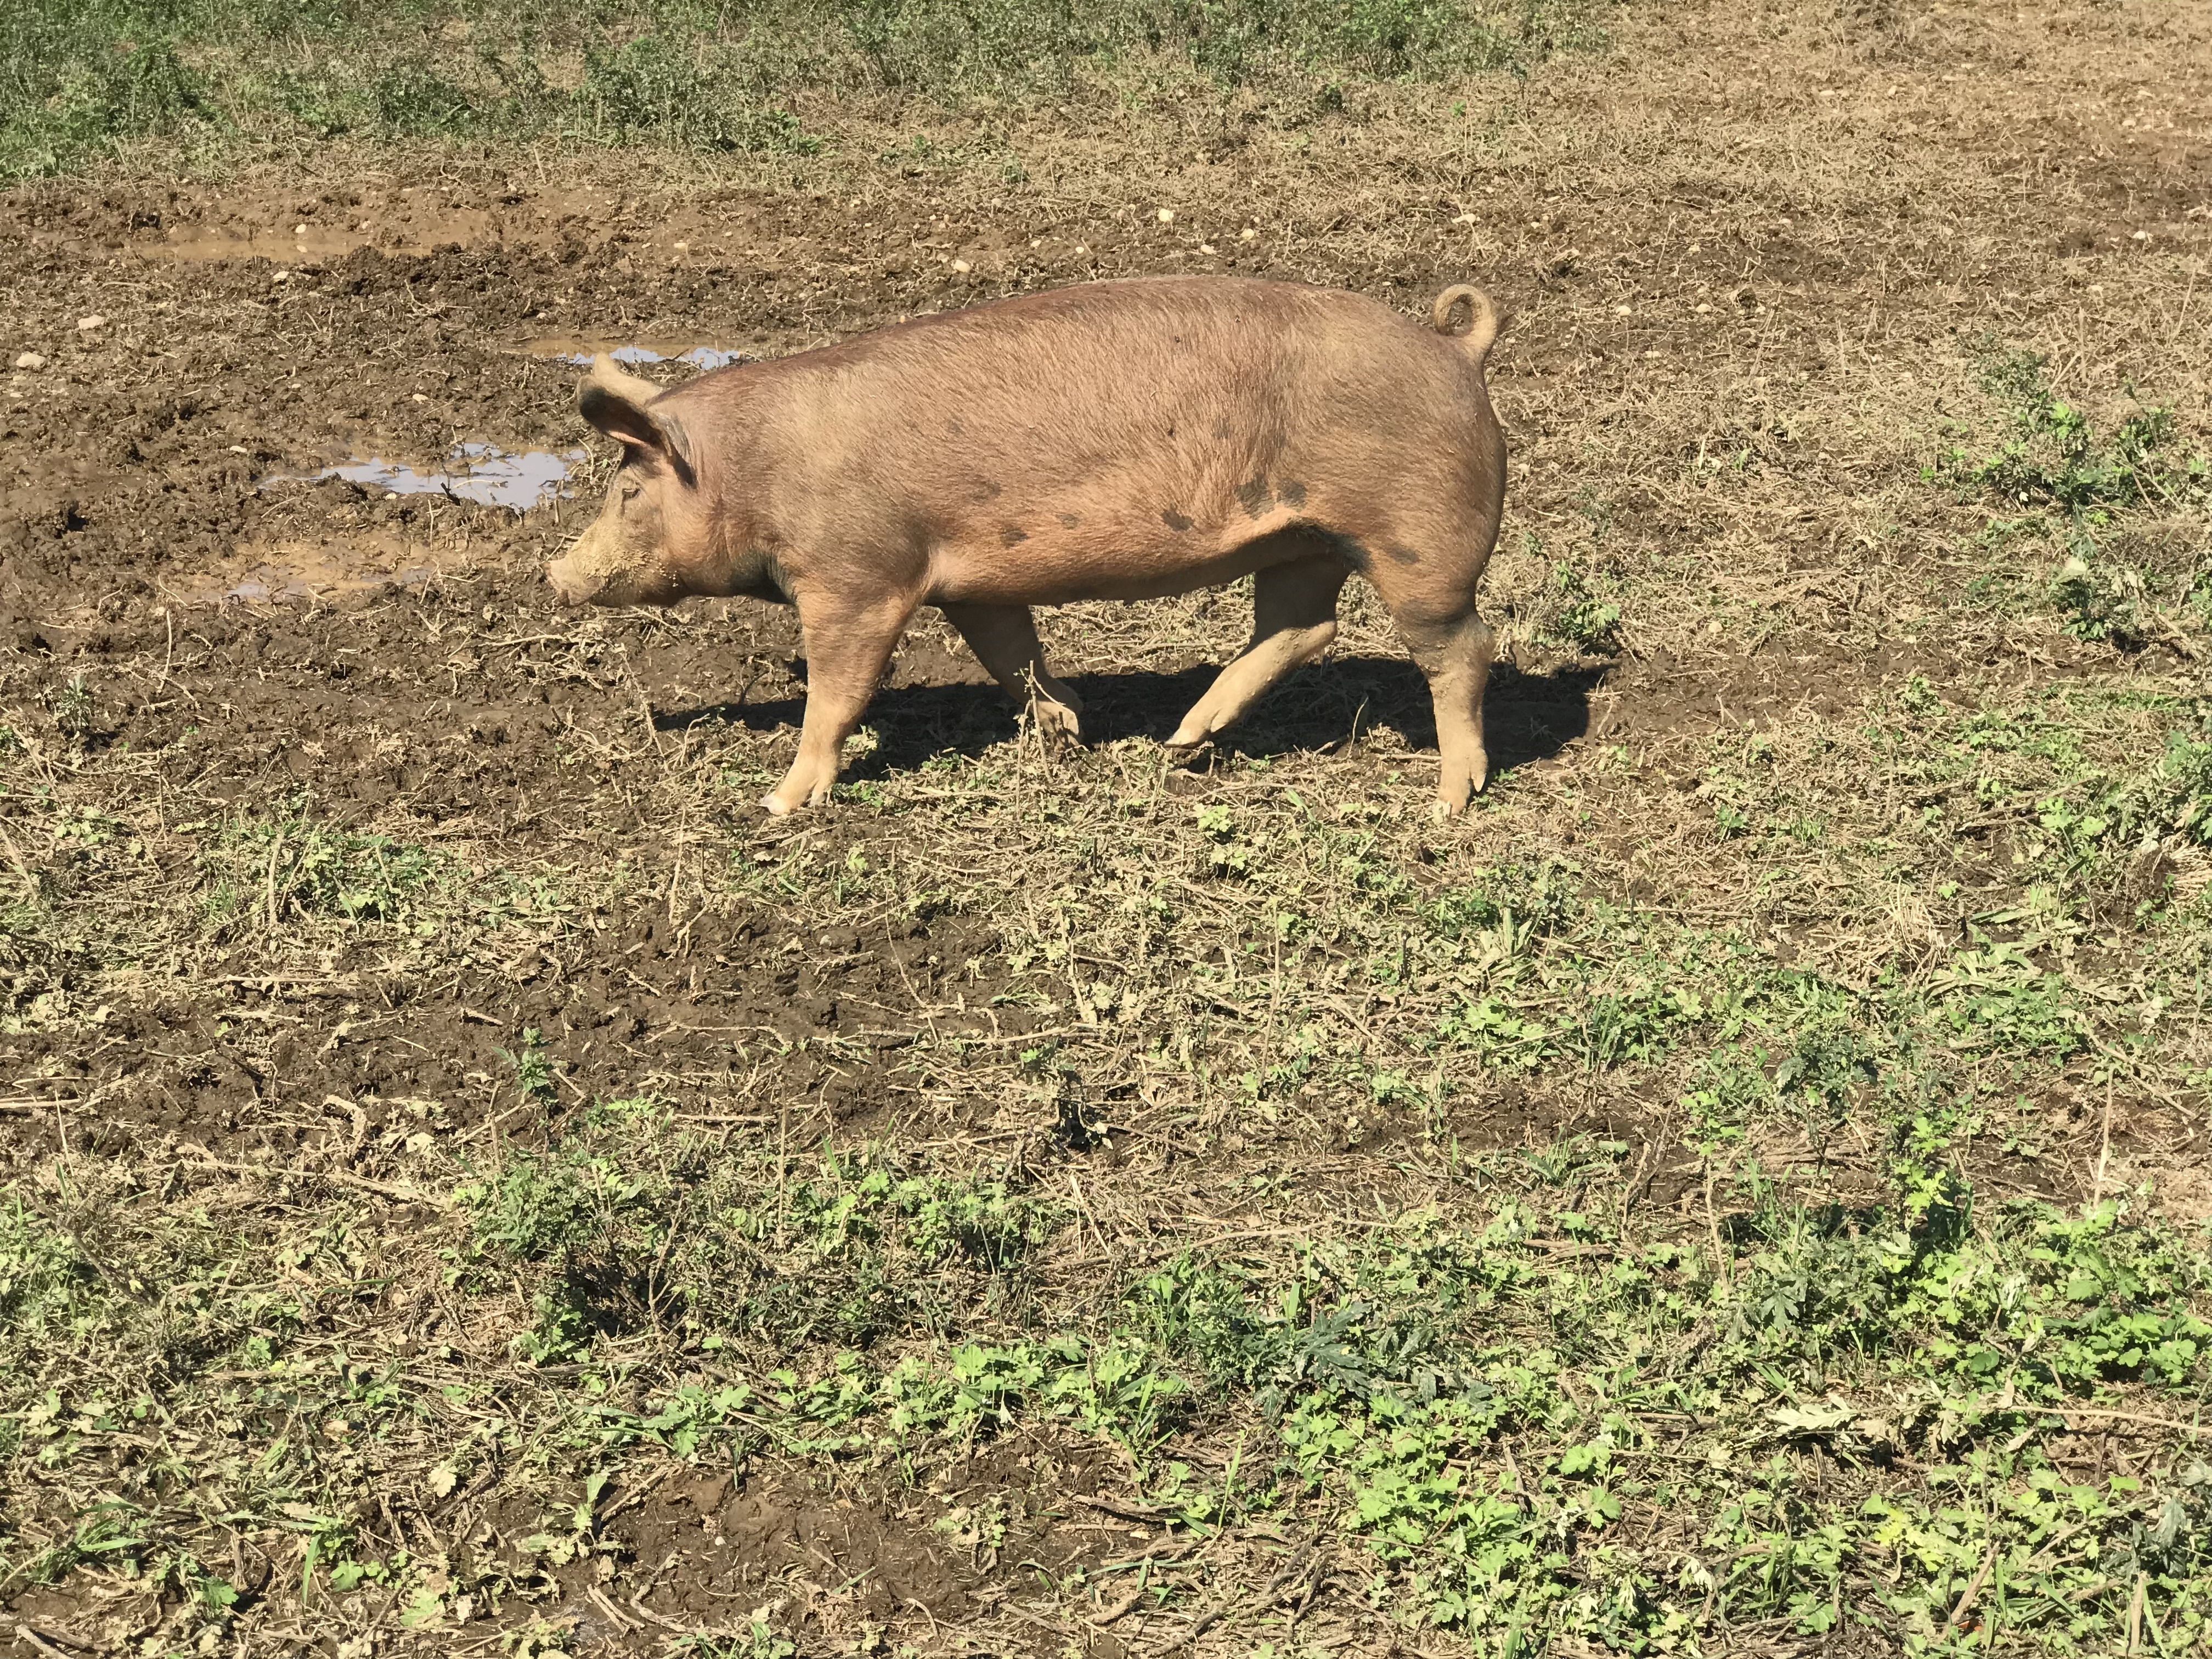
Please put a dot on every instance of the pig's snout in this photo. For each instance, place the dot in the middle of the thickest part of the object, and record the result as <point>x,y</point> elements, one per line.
<point>570,585</point>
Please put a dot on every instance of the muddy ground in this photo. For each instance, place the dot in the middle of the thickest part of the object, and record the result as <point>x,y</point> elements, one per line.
<point>1770,242</point>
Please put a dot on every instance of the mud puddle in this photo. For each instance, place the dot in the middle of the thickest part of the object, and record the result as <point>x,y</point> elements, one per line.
<point>479,473</point>
<point>307,572</point>
<point>406,223</point>
<point>211,244</point>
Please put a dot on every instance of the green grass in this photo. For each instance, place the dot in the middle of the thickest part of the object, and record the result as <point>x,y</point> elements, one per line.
<point>1774,1411</point>
<point>1751,1395</point>
<point>76,80</point>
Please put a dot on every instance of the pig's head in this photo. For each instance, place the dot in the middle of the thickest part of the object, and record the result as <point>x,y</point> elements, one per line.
<point>652,533</point>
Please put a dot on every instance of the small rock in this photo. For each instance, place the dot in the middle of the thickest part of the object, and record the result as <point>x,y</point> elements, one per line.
<point>298,230</point>
<point>31,360</point>
<point>1247,235</point>
<point>281,276</point>
<point>961,267</point>
<point>1464,219</point>
<point>1208,247</point>
<point>86,325</point>
<point>1166,216</point>
<point>420,398</point>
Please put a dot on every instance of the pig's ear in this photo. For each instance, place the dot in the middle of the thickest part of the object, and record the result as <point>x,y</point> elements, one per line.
<point>621,405</point>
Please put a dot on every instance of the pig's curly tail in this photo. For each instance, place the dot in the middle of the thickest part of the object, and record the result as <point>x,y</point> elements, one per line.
<point>1481,324</point>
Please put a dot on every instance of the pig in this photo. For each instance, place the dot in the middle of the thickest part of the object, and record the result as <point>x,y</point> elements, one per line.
<point>1122,439</point>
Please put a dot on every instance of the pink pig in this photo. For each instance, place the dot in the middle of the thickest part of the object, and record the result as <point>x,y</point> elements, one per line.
<point>1112,441</point>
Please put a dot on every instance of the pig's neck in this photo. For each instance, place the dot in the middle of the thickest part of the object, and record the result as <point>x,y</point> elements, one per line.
<point>741,561</point>
<point>748,569</point>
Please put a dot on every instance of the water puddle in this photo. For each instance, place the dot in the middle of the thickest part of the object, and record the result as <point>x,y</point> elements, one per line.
<point>479,473</point>
<point>580,353</point>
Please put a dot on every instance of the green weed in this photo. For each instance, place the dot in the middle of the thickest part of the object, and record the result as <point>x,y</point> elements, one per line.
<point>1572,615</point>
<point>43,1278</point>
<point>535,1077</point>
<point>2052,458</point>
<point>75,716</point>
<point>296,869</point>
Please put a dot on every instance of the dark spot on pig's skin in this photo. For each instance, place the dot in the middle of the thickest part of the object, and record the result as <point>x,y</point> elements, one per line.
<point>1403,555</point>
<point>1293,494</point>
<point>1011,533</point>
<point>1173,520</point>
<point>1071,519</point>
<point>1222,431</point>
<point>989,491</point>
<point>1253,497</point>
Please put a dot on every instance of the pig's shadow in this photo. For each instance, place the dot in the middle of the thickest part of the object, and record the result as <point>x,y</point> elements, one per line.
<point>1529,716</point>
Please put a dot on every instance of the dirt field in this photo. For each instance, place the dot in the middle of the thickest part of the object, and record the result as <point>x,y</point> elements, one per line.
<point>475,1185</point>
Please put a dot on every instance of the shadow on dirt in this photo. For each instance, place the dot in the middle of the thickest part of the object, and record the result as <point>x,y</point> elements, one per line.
<point>1529,716</point>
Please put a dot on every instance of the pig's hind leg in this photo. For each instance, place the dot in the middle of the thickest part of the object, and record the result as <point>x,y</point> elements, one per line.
<point>1454,654</point>
<point>1004,638</point>
<point>1293,621</point>
<point>848,647</point>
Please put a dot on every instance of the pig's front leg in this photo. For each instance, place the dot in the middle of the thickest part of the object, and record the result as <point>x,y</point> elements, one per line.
<point>1004,638</point>
<point>846,646</point>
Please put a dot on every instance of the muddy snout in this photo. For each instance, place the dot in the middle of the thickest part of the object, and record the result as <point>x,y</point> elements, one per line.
<point>599,569</point>
<point>571,585</point>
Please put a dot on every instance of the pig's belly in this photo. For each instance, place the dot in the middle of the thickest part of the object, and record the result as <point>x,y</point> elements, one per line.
<point>1125,562</point>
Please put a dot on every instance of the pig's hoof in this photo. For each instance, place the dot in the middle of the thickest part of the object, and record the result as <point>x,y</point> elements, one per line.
<point>775,807</point>
<point>1450,803</point>
<point>1058,724</point>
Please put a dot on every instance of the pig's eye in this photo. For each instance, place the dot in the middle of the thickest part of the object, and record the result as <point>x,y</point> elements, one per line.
<point>629,492</point>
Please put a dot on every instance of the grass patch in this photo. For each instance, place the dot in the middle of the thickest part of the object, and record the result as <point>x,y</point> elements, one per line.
<point>290,867</point>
